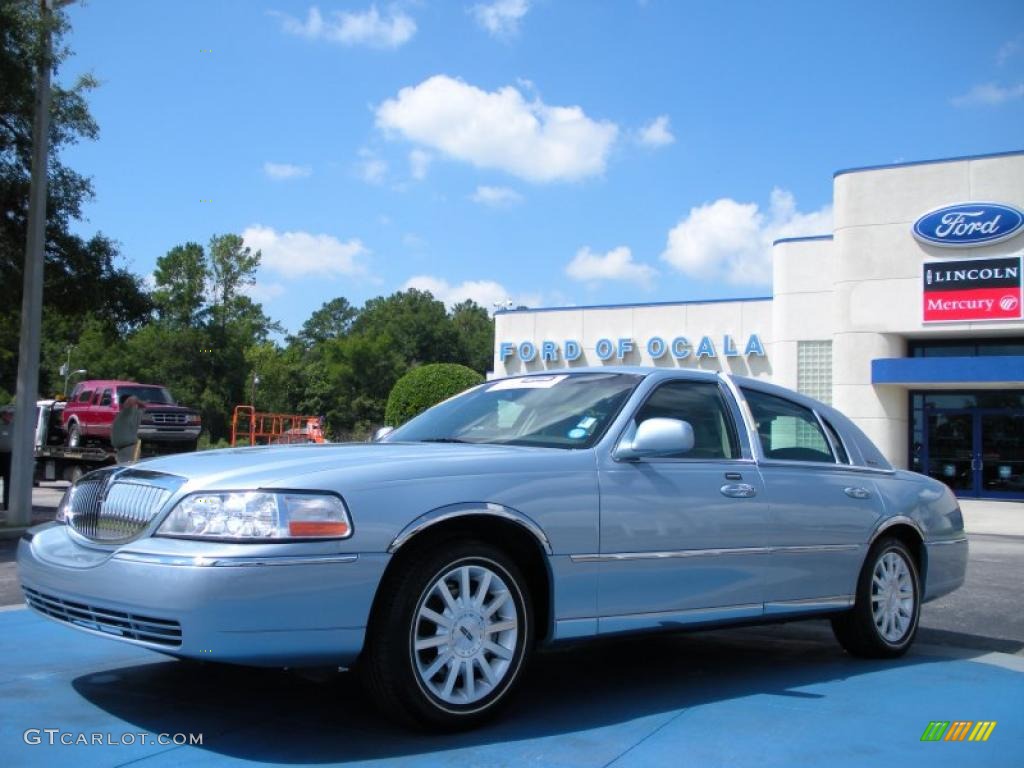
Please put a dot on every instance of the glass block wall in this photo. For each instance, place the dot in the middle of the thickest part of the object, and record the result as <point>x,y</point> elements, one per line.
<point>814,369</point>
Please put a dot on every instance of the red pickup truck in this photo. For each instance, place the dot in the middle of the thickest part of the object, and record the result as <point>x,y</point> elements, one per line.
<point>92,406</point>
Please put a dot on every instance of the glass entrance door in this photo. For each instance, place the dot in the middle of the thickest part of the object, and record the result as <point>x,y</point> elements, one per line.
<point>949,449</point>
<point>977,452</point>
<point>1001,438</point>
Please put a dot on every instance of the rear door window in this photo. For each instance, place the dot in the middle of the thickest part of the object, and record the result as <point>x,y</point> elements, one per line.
<point>106,398</point>
<point>788,432</point>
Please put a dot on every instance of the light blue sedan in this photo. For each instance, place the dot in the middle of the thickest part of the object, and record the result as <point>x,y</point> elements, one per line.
<point>527,511</point>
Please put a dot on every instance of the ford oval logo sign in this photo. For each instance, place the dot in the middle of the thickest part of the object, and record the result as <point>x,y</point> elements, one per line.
<point>966,225</point>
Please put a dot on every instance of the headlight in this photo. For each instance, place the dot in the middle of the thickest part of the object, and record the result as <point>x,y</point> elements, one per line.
<point>62,508</point>
<point>259,516</point>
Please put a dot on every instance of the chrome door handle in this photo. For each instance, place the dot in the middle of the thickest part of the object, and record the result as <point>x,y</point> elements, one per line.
<point>857,493</point>
<point>738,491</point>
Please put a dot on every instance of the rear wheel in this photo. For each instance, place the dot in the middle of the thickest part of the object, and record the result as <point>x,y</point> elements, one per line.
<point>451,635</point>
<point>884,618</point>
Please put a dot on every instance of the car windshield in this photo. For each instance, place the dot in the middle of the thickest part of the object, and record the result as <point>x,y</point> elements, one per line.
<point>553,411</point>
<point>158,395</point>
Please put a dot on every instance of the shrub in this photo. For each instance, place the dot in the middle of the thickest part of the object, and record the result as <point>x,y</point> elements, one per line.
<point>425,386</point>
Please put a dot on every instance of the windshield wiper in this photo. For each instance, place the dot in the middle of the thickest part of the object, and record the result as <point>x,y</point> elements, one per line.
<point>443,440</point>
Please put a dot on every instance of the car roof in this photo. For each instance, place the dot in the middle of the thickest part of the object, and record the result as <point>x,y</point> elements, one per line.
<point>116,383</point>
<point>635,370</point>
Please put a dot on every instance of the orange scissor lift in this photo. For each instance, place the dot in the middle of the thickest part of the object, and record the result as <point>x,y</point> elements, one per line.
<point>252,427</point>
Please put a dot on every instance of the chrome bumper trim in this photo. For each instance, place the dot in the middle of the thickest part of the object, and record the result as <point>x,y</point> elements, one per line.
<point>943,542</point>
<point>232,562</point>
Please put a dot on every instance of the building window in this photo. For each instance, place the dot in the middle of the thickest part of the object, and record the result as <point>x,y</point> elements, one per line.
<point>814,369</point>
<point>1007,345</point>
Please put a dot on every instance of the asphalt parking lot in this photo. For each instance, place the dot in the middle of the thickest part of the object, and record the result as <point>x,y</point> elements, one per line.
<point>768,695</point>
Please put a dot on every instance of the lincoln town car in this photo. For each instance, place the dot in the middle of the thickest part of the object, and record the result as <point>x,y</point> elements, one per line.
<point>523,513</point>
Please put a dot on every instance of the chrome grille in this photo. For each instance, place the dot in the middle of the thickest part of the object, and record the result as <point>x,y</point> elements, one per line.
<point>168,418</point>
<point>131,626</point>
<point>112,506</point>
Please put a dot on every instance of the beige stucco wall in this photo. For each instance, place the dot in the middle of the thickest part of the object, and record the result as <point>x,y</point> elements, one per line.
<point>877,276</point>
<point>737,319</point>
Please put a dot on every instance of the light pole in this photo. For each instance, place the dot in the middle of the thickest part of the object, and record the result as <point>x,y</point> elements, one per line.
<point>68,376</point>
<point>255,383</point>
<point>23,458</point>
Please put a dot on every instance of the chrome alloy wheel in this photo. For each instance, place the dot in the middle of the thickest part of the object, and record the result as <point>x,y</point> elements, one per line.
<point>465,633</point>
<point>892,597</point>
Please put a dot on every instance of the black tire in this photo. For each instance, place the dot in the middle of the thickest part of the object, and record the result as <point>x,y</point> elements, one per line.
<point>76,473</point>
<point>74,435</point>
<point>857,630</point>
<point>391,667</point>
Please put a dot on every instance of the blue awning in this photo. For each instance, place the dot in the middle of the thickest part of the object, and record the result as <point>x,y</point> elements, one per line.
<point>1007,369</point>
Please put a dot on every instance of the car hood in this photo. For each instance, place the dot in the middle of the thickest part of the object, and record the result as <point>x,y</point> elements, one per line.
<point>349,465</point>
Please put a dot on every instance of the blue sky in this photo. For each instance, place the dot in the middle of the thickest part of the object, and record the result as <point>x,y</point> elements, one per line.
<point>546,152</point>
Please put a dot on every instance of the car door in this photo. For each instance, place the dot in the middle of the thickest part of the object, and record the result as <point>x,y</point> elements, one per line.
<point>83,408</point>
<point>822,509</point>
<point>104,412</point>
<point>681,536</point>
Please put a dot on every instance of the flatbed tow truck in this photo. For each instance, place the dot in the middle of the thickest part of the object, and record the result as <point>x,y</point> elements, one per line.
<point>56,461</point>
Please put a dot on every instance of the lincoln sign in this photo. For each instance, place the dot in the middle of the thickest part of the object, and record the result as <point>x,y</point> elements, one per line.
<point>979,289</point>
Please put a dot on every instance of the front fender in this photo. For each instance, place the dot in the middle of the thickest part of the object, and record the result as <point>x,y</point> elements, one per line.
<point>465,509</point>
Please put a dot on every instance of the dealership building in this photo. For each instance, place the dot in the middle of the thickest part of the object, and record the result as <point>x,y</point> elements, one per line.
<point>907,317</point>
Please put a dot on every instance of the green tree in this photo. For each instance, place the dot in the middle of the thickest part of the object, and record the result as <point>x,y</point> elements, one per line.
<point>416,322</point>
<point>81,275</point>
<point>233,267</point>
<point>426,386</point>
<point>181,278</point>
<point>333,320</point>
<point>476,335</point>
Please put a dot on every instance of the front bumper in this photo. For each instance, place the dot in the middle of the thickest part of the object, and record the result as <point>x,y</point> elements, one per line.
<point>274,609</point>
<point>161,434</point>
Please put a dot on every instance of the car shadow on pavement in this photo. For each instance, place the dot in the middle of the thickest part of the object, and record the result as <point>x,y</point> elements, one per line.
<point>285,717</point>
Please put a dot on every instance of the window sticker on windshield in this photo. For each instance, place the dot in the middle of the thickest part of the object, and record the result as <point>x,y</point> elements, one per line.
<point>527,382</point>
<point>576,433</point>
<point>587,422</point>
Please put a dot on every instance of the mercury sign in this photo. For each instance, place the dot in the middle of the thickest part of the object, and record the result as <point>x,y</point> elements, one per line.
<point>968,225</point>
<point>657,347</point>
<point>979,289</point>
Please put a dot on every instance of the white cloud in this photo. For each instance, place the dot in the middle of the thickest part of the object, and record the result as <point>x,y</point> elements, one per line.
<point>1008,50</point>
<point>500,129</point>
<point>301,254</point>
<point>260,291</point>
<point>731,241</point>
<point>656,133</point>
<point>496,197</point>
<point>486,293</point>
<point>419,164</point>
<point>371,168</point>
<point>367,27</point>
<point>501,17</point>
<point>281,171</point>
<point>988,95</point>
<point>617,264</point>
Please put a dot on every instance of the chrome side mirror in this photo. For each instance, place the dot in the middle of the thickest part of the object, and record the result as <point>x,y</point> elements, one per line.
<point>657,437</point>
<point>381,433</point>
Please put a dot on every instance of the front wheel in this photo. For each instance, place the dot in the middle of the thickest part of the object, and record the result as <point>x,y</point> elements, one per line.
<point>883,621</point>
<point>450,637</point>
<point>74,435</point>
